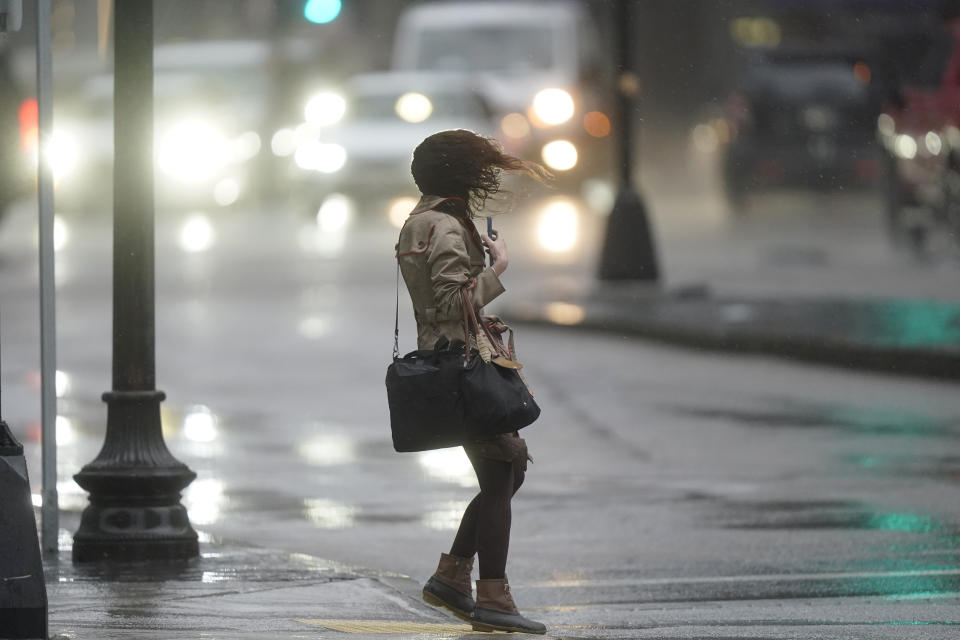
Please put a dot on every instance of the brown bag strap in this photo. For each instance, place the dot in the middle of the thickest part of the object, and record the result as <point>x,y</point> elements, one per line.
<point>470,319</point>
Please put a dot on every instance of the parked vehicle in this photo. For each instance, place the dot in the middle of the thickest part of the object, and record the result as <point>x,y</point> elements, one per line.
<point>540,66</point>
<point>920,129</point>
<point>357,143</point>
<point>802,117</point>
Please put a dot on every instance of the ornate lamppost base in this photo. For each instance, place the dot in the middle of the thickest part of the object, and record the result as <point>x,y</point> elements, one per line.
<point>135,533</point>
<point>134,483</point>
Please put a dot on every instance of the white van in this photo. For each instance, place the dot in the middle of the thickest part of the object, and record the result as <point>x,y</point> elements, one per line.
<point>540,67</point>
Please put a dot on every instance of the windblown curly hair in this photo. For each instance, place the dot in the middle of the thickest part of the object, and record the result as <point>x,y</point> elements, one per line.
<point>460,163</point>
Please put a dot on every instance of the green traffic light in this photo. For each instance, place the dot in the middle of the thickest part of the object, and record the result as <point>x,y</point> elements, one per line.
<point>322,11</point>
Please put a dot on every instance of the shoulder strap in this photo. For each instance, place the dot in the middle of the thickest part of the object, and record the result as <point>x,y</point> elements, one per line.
<point>396,317</point>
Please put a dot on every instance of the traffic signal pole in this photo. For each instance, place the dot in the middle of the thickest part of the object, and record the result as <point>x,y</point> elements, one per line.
<point>628,251</point>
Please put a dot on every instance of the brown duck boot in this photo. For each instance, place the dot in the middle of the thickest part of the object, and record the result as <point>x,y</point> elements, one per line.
<point>450,586</point>
<point>496,611</point>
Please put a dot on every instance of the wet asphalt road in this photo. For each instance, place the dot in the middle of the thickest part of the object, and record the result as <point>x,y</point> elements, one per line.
<point>673,494</point>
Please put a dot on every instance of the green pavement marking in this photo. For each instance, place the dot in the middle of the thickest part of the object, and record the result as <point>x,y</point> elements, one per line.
<point>389,626</point>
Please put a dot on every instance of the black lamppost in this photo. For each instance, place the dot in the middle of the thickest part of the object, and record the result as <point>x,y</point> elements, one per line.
<point>134,482</point>
<point>628,251</point>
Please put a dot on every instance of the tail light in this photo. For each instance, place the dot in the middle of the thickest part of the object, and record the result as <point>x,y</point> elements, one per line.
<point>29,125</point>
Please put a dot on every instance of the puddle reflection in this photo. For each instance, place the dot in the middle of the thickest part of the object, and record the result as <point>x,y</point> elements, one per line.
<point>445,516</point>
<point>204,501</point>
<point>62,384</point>
<point>449,465</point>
<point>827,514</point>
<point>918,558</point>
<point>200,424</point>
<point>565,313</point>
<point>314,327</point>
<point>903,465</point>
<point>328,450</point>
<point>66,432</point>
<point>329,514</point>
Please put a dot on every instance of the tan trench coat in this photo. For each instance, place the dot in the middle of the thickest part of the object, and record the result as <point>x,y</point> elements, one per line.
<point>439,254</point>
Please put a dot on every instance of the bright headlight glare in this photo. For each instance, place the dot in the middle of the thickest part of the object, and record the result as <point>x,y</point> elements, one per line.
<point>413,107</point>
<point>226,192</point>
<point>886,124</point>
<point>193,151</point>
<point>319,156</point>
<point>62,154</point>
<point>283,143</point>
<point>335,213</point>
<point>558,226</point>
<point>553,106</point>
<point>399,209</point>
<point>246,146</point>
<point>196,234</point>
<point>905,146</point>
<point>325,108</point>
<point>560,155</point>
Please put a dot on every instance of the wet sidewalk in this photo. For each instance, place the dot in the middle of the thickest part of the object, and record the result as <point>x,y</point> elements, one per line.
<point>236,592</point>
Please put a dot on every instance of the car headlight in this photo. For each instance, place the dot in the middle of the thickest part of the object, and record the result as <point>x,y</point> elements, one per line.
<point>886,125</point>
<point>319,156</point>
<point>62,154</point>
<point>413,107</point>
<point>560,155</point>
<point>192,151</point>
<point>905,146</point>
<point>325,108</point>
<point>553,106</point>
<point>933,143</point>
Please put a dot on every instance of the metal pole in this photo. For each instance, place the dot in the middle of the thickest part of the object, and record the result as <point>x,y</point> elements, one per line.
<point>134,482</point>
<point>50,511</point>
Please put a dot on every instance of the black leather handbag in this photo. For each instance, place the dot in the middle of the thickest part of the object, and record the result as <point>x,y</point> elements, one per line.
<point>449,396</point>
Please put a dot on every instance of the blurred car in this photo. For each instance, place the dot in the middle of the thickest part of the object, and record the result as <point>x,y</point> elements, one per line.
<point>210,103</point>
<point>920,129</point>
<point>802,117</point>
<point>358,144</point>
<point>541,67</point>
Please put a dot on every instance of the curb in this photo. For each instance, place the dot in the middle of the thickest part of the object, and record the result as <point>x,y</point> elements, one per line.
<point>898,337</point>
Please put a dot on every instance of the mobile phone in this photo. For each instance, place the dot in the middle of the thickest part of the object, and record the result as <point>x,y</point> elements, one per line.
<point>491,234</point>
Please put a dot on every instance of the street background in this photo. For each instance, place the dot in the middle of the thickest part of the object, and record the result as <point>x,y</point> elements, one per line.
<point>675,492</point>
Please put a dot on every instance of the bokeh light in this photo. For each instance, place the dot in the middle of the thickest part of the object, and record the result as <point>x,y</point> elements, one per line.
<point>414,107</point>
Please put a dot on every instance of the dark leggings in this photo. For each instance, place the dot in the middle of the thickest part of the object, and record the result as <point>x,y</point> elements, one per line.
<point>485,526</point>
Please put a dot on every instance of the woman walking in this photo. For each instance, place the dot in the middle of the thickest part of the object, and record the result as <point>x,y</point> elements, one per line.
<point>440,254</point>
